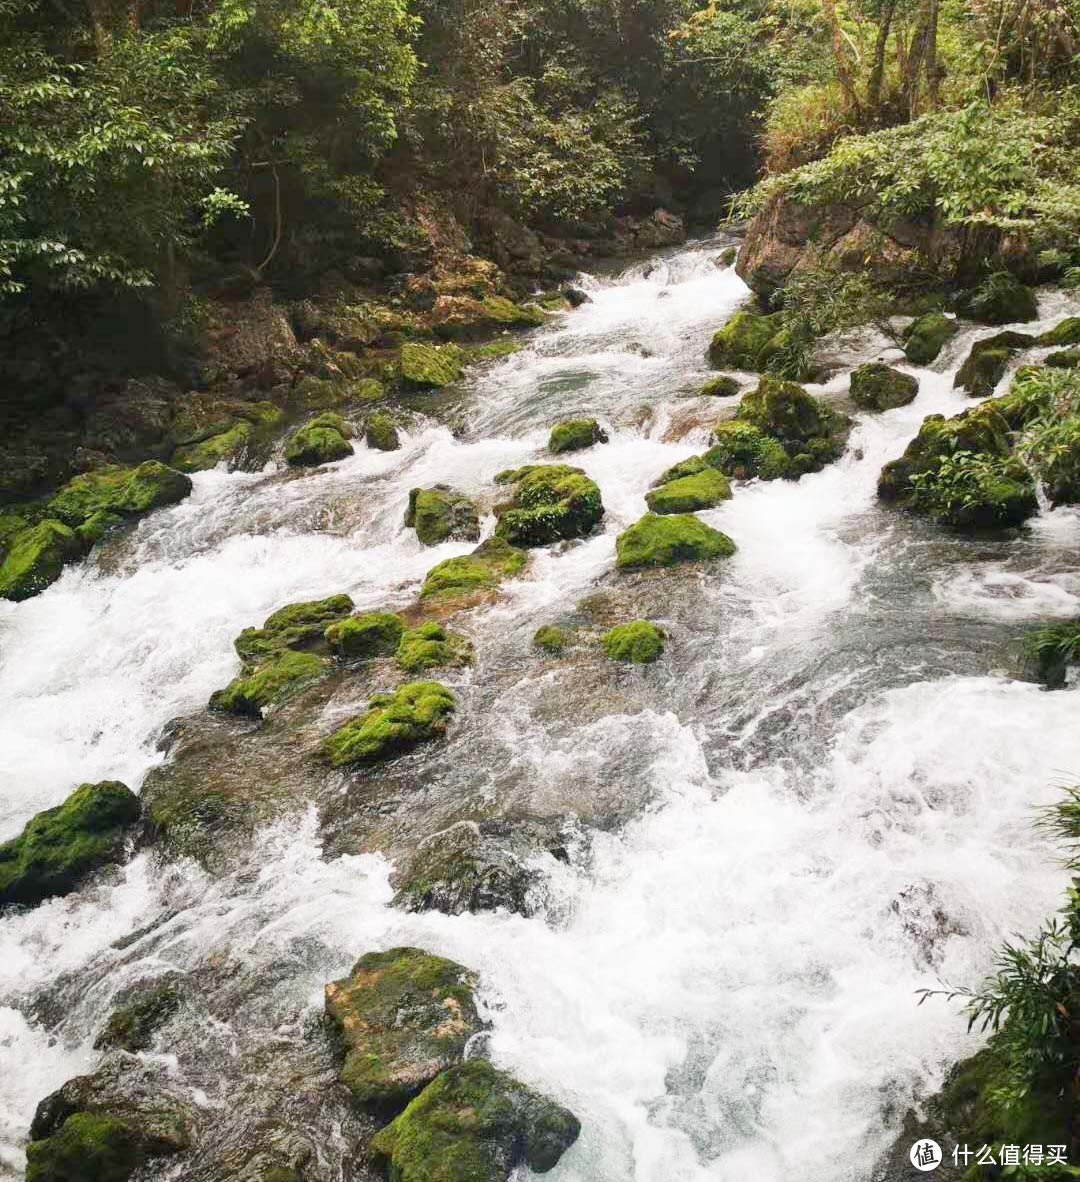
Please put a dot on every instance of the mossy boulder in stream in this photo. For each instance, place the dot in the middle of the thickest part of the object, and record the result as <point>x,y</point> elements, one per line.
<point>575,435</point>
<point>925,337</point>
<point>295,626</point>
<point>269,683</point>
<point>665,541</point>
<point>700,490</point>
<point>414,713</point>
<point>430,645</point>
<point>440,514</point>
<point>475,1124</point>
<point>639,642</point>
<point>483,570</point>
<point>127,492</point>
<point>1064,359</point>
<point>140,1014</point>
<point>741,343</point>
<point>323,440</point>
<point>810,432</point>
<point>210,430</point>
<point>59,847</point>
<point>431,366</point>
<point>403,1016</point>
<point>36,558</point>
<point>743,451</point>
<point>373,634</point>
<point>999,299</point>
<point>722,386</point>
<point>380,434</point>
<point>985,365</point>
<point>877,386</point>
<point>551,502</point>
<point>1065,333</point>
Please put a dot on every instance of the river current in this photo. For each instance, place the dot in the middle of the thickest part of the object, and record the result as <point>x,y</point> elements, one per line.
<point>819,801</point>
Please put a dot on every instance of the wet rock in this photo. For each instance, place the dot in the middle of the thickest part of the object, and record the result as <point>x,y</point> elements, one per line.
<point>551,502</point>
<point>373,634</point>
<point>722,386</point>
<point>440,514</point>
<point>575,297</point>
<point>639,642</point>
<point>483,570</point>
<point>322,441</point>
<point>1001,299</point>
<point>575,435</point>
<point>404,1016</point>
<point>551,639</point>
<point>985,365</point>
<point>211,430</point>
<point>1065,333</point>
<point>688,467</point>
<point>726,257</point>
<point>295,626</point>
<point>431,366</point>
<point>414,713</point>
<point>429,646</point>
<point>664,541</point>
<point>743,451</point>
<point>269,683</point>
<point>1064,359</point>
<point>59,847</point>
<point>876,386</point>
<point>475,1124</point>
<point>925,337</point>
<point>686,494</point>
<point>35,558</point>
<point>381,434</point>
<point>141,1012</point>
<point>461,317</point>
<point>127,492</point>
<point>742,342</point>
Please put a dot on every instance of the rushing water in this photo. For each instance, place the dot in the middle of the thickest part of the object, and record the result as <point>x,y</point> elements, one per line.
<point>819,801</point>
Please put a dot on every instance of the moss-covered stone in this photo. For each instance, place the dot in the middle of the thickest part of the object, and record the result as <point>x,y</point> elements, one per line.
<point>321,441</point>
<point>743,451</point>
<point>35,559</point>
<point>373,634</point>
<point>431,366</point>
<point>295,626</point>
<point>551,502</point>
<point>876,386</point>
<point>1002,299</point>
<point>484,569</point>
<point>124,491</point>
<point>95,528</point>
<point>664,541</point>
<point>404,1016</point>
<point>133,1023</point>
<point>87,1148</point>
<point>381,434</point>
<point>985,365</point>
<point>688,467</point>
<point>440,514</point>
<point>639,642</point>
<point>798,422</point>
<point>269,683</point>
<point>460,317</point>
<point>474,1124</point>
<point>722,386</point>
<point>1065,333</point>
<point>395,722</point>
<point>228,446</point>
<point>1064,359</point>
<point>703,490</point>
<point>11,525</point>
<point>59,847</point>
<point>925,337</point>
<point>551,639</point>
<point>726,257</point>
<point>429,646</point>
<point>741,343</point>
<point>575,435</point>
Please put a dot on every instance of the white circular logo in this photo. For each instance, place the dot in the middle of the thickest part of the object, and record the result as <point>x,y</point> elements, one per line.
<point>925,1155</point>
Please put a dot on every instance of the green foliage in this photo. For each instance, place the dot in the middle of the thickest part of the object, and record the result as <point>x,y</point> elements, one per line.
<point>970,488</point>
<point>1052,649</point>
<point>1050,443</point>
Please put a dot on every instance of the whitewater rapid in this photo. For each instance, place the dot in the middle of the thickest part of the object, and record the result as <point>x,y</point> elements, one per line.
<point>817,803</point>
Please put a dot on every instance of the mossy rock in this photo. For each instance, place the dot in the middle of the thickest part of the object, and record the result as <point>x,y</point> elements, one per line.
<point>461,317</point>
<point>430,646</point>
<point>639,642</point>
<point>727,257</point>
<point>440,514</point>
<point>427,367</point>
<point>925,337</point>
<point>373,634</point>
<point>87,1148</point>
<point>35,559</point>
<point>93,529</point>
<point>876,386</point>
<point>667,540</point>
<point>228,446</point>
<point>270,683</point>
<point>414,713</point>
<point>492,351</point>
<point>551,503</point>
<point>381,434</point>
<point>799,422</point>
<point>11,525</point>
<point>295,626</point>
<point>474,1124</point>
<point>552,639</point>
<point>201,416</point>
<point>134,1022</point>
<point>741,343</point>
<point>688,467</point>
<point>722,386</point>
<point>703,490</point>
<point>124,491</point>
<point>575,435</point>
<point>1065,333</point>
<point>403,1016</point>
<point>59,847</point>
<point>985,365</point>
<point>743,451</point>
<point>484,569</point>
<point>322,441</point>
<point>1003,299</point>
<point>1064,359</point>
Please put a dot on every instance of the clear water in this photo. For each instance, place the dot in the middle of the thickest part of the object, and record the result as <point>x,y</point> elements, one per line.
<point>819,801</point>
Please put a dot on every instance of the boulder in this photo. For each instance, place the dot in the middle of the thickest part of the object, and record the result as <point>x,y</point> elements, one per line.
<point>373,634</point>
<point>575,435</point>
<point>35,558</point>
<point>269,683</point>
<point>414,713</point>
<point>474,1124</point>
<point>575,297</point>
<point>321,441</point>
<point>429,646</point>
<point>639,642</point>
<point>702,490</point>
<point>381,434</point>
<point>427,367</point>
<point>726,257</point>
<point>1065,333</point>
<point>1064,359</point>
<point>743,451</point>
<point>880,387</point>
<point>127,492</point>
<point>440,514</point>
<point>209,430</point>
<point>722,386</point>
<point>295,626</point>
<point>985,365</point>
<point>403,1016</point>
<point>925,337</point>
<point>741,343</point>
<point>457,317</point>
<point>551,502</point>
<point>1001,299</point>
<point>483,570</point>
<point>59,847</point>
<point>688,467</point>
<point>664,541</point>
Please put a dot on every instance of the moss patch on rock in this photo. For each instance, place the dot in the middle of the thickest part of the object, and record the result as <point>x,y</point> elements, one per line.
<point>427,367</point>
<point>552,639</point>
<point>575,435</point>
<point>639,642</point>
<point>414,713</point>
<point>271,682</point>
<point>1000,299</point>
<point>722,386</point>
<point>925,337</point>
<point>688,467</point>
<point>440,514</point>
<point>876,386</point>
<point>126,492</point>
<point>743,341</point>
<point>35,559</point>
<point>133,1023</point>
<point>666,540</point>
<point>321,441</point>
<point>429,646</point>
<point>373,634</point>
<point>551,503</point>
<point>59,847</point>
<point>1065,333</point>
<point>295,626</point>
<point>985,365</point>
<point>381,434</point>
<point>484,569</point>
<point>685,494</point>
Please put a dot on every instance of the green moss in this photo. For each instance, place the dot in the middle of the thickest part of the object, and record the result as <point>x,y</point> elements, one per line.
<point>403,1016</point>
<point>551,502</point>
<point>722,386</point>
<point>440,514</point>
<point>880,387</point>
<point>639,642</point>
<point>321,441</point>
<point>688,467</point>
<point>35,559</point>
<point>374,634</point>
<point>10,527</point>
<point>664,541</point>
<point>132,1025</point>
<point>551,639</point>
<point>429,646</point>
<point>61,845</point>
<point>212,433</point>
<point>744,451</point>
<point>726,257</point>
<point>414,713</point>
<point>985,365</point>
<point>742,341</point>
<point>1000,299</point>
<point>88,1147</point>
<point>381,434</point>
<point>925,337</point>
<point>493,350</point>
<point>297,625</point>
<point>464,316</point>
<point>95,528</point>
<point>1064,359</point>
<point>482,570</point>
<point>270,683</point>
<point>431,366</point>
<point>703,490</point>
<point>125,491</point>
<point>575,435</point>
<point>1065,333</point>
<point>474,1124</point>
<point>785,412</point>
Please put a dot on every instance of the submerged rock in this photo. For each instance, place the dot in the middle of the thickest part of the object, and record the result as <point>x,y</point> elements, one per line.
<point>374,634</point>
<point>323,440</point>
<point>664,541</point>
<point>743,341</point>
<point>575,435</point>
<point>475,1124</point>
<point>404,1016</point>
<point>685,494</point>
<point>639,642</point>
<point>414,713</point>
<point>440,514</point>
<point>429,646</point>
<point>59,847</point>
<point>483,570</point>
<point>925,337</point>
<point>141,1012</point>
<point>35,559</point>
<point>551,502</point>
<point>876,386</point>
<point>985,365</point>
<point>1064,359</point>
